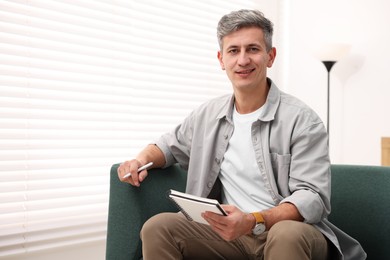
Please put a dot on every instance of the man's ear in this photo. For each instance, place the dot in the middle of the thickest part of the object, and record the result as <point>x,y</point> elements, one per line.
<point>220,60</point>
<point>271,57</point>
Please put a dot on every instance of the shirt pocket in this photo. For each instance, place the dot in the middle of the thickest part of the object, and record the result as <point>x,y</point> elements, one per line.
<point>281,169</point>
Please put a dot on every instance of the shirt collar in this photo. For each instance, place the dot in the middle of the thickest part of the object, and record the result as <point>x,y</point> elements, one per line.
<point>270,105</point>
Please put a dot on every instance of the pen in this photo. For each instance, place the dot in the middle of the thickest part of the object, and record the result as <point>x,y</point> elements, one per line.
<point>140,169</point>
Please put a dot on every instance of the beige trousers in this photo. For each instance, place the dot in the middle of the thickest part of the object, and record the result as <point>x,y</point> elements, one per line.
<point>171,236</point>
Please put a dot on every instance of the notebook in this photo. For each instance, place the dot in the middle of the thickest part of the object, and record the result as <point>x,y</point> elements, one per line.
<point>193,206</point>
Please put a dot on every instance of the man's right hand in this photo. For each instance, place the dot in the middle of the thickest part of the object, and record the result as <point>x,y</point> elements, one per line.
<point>132,167</point>
<point>150,153</point>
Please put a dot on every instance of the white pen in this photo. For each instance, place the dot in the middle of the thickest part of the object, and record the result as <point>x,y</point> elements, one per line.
<point>140,169</point>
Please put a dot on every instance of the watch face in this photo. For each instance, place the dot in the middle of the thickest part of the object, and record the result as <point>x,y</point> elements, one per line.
<point>258,229</point>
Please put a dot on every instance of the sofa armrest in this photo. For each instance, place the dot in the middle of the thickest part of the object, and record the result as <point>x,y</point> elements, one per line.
<point>130,207</point>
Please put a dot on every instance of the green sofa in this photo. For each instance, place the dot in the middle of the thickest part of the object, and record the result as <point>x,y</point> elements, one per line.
<point>360,207</point>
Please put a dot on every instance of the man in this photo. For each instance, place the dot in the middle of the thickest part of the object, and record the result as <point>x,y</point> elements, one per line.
<point>261,152</point>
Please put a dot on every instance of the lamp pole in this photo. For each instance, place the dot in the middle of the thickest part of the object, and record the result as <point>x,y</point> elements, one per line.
<point>328,65</point>
<point>329,54</point>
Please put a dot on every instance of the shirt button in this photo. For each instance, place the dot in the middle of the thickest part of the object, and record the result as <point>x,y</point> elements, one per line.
<point>218,161</point>
<point>261,166</point>
<point>226,137</point>
<point>210,185</point>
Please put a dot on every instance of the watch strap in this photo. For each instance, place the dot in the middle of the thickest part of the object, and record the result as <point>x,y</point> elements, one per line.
<point>258,216</point>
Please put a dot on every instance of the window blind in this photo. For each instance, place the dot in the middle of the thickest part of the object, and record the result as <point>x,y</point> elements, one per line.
<point>85,84</point>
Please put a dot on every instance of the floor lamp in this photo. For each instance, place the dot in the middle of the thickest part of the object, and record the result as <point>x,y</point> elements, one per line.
<point>329,55</point>
<point>328,65</point>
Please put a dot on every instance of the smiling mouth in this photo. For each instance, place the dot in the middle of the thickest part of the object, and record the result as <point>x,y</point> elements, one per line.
<point>245,72</point>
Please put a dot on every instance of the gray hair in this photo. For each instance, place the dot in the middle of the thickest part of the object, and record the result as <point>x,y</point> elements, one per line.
<point>245,18</point>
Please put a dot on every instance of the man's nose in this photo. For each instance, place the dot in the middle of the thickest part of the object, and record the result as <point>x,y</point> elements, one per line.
<point>243,59</point>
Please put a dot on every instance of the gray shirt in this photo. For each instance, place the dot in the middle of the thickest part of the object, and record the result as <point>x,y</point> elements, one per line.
<point>290,144</point>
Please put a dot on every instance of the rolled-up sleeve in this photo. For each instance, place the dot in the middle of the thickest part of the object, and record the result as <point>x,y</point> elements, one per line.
<point>176,144</point>
<point>309,181</point>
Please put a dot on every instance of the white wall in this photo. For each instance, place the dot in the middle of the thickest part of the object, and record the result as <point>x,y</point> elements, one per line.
<point>359,82</point>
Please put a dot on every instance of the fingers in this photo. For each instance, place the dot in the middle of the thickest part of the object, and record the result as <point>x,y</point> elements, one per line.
<point>228,227</point>
<point>215,220</point>
<point>220,228</point>
<point>142,175</point>
<point>131,167</point>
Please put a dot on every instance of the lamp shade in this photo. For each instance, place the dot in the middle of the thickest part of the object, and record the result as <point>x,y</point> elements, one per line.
<point>332,52</point>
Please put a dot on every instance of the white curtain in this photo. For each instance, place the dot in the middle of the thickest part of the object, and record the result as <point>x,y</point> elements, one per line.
<point>85,84</point>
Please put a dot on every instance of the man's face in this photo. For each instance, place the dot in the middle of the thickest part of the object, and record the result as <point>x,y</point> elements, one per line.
<point>245,58</point>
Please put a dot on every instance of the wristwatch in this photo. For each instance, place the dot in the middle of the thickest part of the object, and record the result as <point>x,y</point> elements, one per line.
<point>260,224</point>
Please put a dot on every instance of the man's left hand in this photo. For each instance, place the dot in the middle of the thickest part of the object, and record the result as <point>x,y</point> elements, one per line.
<point>232,226</point>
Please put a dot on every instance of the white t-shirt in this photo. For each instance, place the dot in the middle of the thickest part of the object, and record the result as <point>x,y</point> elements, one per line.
<point>242,183</point>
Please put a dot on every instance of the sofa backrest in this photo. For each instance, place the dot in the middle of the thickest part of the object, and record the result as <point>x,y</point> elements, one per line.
<point>360,202</point>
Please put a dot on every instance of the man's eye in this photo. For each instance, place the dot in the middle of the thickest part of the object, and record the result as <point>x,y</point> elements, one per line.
<point>253,49</point>
<point>233,51</point>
